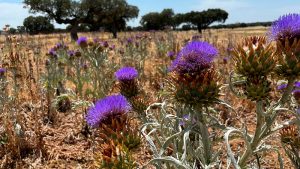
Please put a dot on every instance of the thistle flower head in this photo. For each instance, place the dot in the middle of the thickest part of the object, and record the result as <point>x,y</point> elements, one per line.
<point>287,26</point>
<point>112,47</point>
<point>52,52</point>
<point>296,94</point>
<point>281,87</point>
<point>108,107</point>
<point>2,72</point>
<point>105,44</point>
<point>126,74</point>
<point>297,84</point>
<point>60,46</point>
<point>82,41</point>
<point>194,57</point>
<point>71,53</point>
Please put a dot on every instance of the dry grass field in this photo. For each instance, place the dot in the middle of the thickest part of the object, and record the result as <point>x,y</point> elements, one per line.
<point>35,134</point>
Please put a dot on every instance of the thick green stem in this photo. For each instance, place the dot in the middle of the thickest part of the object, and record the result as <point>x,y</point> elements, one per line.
<point>262,126</point>
<point>282,101</point>
<point>205,139</point>
<point>256,138</point>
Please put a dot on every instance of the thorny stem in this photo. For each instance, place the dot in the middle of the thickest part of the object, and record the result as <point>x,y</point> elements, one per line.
<point>205,139</point>
<point>263,126</point>
<point>266,128</point>
<point>255,140</point>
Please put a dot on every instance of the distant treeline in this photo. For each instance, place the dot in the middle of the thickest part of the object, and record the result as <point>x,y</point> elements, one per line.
<point>185,27</point>
<point>241,25</point>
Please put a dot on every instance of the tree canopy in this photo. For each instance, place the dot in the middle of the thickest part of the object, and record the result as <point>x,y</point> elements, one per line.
<point>40,24</point>
<point>157,21</point>
<point>111,14</point>
<point>200,19</point>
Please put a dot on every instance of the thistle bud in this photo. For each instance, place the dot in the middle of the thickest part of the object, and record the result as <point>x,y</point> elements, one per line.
<point>254,57</point>
<point>77,53</point>
<point>257,89</point>
<point>289,135</point>
<point>296,94</point>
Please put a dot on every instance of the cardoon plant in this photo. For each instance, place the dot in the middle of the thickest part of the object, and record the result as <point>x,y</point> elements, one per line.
<point>193,86</point>
<point>255,61</point>
<point>129,87</point>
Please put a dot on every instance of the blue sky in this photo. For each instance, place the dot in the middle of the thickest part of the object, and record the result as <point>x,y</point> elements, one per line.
<point>13,13</point>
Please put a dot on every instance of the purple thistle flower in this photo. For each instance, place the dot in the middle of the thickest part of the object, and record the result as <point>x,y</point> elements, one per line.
<point>108,107</point>
<point>287,26</point>
<point>126,74</point>
<point>71,53</point>
<point>112,47</point>
<point>2,72</point>
<point>186,118</point>
<point>194,57</point>
<point>297,84</point>
<point>129,41</point>
<point>60,46</point>
<point>82,41</point>
<point>52,52</point>
<point>281,87</point>
<point>105,44</point>
<point>96,40</point>
<point>171,54</point>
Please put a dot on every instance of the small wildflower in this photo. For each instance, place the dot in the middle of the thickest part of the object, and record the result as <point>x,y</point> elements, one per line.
<point>112,47</point>
<point>109,107</point>
<point>297,84</point>
<point>71,53</point>
<point>281,87</point>
<point>2,72</point>
<point>85,66</point>
<point>105,44</point>
<point>82,42</point>
<point>225,60</point>
<point>171,54</point>
<point>52,52</point>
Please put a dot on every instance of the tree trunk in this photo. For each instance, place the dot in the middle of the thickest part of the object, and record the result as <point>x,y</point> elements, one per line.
<point>199,27</point>
<point>115,35</point>
<point>114,32</point>
<point>74,32</point>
